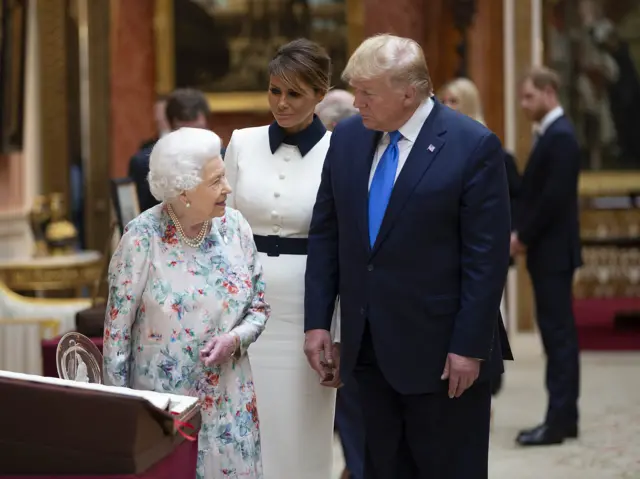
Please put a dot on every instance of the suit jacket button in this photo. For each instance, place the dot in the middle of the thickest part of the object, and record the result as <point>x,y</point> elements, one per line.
<point>363,311</point>
<point>370,267</point>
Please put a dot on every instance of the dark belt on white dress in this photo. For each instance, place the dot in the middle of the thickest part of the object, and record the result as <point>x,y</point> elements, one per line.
<point>274,245</point>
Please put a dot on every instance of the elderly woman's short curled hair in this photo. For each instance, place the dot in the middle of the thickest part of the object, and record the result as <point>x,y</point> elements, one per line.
<point>177,160</point>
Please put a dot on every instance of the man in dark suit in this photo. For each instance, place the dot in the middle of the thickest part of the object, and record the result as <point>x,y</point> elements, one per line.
<point>547,228</point>
<point>184,107</point>
<point>411,228</point>
<point>336,106</point>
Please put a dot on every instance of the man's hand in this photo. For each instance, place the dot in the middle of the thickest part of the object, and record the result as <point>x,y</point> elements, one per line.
<point>461,372</point>
<point>333,372</point>
<point>219,349</point>
<point>516,246</point>
<point>319,352</point>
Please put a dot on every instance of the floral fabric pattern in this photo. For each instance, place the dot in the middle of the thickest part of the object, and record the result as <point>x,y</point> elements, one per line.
<point>166,300</point>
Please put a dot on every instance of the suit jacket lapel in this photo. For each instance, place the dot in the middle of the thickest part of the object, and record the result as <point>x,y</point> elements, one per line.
<point>363,160</point>
<point>424,151</point>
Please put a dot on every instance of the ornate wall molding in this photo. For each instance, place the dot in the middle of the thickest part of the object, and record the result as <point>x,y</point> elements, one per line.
<point>52,44</point>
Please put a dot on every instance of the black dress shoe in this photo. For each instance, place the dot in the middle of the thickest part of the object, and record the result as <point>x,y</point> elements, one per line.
<point>572,432</point>
<point>545,435</point>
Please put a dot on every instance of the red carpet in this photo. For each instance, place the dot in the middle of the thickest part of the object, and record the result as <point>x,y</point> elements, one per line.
<point>596,331</point>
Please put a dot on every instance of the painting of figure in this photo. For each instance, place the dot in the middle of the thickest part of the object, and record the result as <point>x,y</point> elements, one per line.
<point>595,46</point>
<point>224,46</point>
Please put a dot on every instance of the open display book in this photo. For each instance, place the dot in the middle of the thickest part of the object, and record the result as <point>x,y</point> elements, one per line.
<point>58,426</point>
<point>178,405</point>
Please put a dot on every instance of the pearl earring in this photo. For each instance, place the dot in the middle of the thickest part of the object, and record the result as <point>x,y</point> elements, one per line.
<point>188,205</point>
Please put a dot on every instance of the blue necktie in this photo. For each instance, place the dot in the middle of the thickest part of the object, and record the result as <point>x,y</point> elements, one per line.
<point>382,185</point>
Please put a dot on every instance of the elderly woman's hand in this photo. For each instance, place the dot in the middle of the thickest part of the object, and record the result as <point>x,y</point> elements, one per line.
<point>220,349</point>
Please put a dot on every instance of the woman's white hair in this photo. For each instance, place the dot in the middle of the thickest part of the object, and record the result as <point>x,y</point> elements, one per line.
<point>177,160</point>
<point>400,58</point>
<point>335,107</point>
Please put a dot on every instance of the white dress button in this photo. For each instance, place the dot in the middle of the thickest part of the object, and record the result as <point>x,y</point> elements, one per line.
<point>276,229</point>
<point>282,176</point>
<point>287,158</point>
<point>276,194</point>
<point>274,214</point>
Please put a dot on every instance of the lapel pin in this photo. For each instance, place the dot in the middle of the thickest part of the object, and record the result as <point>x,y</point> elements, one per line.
<point>431,148</point>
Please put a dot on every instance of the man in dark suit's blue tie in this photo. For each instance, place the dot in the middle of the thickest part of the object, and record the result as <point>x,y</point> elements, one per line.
<point>411,229</point>
<point>382,185</point>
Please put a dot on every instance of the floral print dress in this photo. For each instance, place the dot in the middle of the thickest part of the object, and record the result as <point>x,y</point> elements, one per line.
<point>166,300</point>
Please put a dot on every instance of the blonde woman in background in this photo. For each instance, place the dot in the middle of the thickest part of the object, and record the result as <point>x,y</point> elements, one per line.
<point>462,95</point>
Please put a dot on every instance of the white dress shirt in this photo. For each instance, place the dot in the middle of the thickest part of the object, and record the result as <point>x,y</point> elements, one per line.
<point>409,131</point>
<point>548,120</point>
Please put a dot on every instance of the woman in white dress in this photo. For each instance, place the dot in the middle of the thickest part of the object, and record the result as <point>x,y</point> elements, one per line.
<point>274,171</point>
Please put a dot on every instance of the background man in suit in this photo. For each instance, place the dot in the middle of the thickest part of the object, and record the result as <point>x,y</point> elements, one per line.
<point>336,106</point>
<point>547,228</point>
<point>411,228</point>
<point>184,107</point>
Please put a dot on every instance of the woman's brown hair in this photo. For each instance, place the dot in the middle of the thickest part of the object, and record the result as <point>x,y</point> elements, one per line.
<point>302,62</point>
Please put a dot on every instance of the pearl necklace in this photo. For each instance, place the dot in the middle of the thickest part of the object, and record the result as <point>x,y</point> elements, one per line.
<point>193,242</point>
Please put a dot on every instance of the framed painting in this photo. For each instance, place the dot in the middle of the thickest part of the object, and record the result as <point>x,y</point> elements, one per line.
<point>595,46</point>
<point>125,200</point>
<point>223,47</point>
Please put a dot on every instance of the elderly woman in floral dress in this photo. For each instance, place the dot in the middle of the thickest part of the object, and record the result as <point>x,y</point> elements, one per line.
<point>186,299</point>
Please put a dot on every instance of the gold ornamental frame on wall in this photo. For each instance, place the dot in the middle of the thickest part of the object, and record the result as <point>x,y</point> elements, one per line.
<point>241,101</point>
<point>559,20</point>
<point>609,182</point>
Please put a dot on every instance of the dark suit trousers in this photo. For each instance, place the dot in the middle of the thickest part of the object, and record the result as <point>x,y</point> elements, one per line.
<point>425,436</point>
<point>350,427</point>
<point>554,313</point>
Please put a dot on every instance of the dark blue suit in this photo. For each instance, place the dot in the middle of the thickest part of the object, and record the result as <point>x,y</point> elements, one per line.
<point>547,223</point>
<point>430,285</point>
<point>138,172</point>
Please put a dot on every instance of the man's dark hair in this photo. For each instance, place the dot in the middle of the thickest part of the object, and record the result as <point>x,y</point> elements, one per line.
<point>186,104</point>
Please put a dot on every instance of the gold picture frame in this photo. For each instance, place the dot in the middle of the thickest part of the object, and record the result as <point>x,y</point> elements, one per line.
<point>609,182</point>
<point>234,101</point>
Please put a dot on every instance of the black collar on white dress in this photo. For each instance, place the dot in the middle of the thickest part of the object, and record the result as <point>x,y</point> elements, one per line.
<point>305,140</point>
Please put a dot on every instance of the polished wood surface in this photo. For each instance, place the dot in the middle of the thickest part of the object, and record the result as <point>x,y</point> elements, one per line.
<point>486,61</point>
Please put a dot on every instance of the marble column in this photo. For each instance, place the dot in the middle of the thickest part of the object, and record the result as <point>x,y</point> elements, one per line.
<point>401,17</point>
<point>20,174</point>
<point>523,49</point>
<point>486,61</point>
<point>132,52</point>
